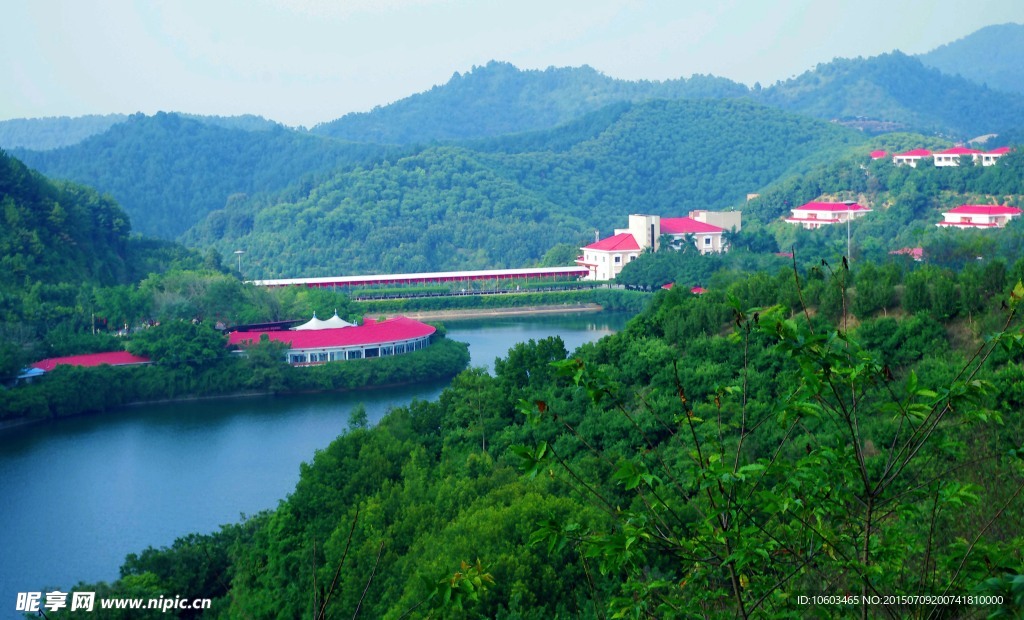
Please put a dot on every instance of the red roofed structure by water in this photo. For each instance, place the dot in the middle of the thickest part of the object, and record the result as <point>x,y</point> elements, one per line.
<point>371,339</point>
<point>978,216</point>
<point>817,214</point>
<point>112,358</point>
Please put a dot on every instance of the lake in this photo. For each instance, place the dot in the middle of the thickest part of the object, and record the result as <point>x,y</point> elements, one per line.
<point>81,493</point>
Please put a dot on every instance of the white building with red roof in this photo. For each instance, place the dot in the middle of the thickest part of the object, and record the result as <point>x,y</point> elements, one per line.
<point>989,158</point>
<point>318,345</point>
<point>910,158</point>
<point>978,216</point>
<point>817,214</point>
<point>606,257</point>
<point>952,157</point>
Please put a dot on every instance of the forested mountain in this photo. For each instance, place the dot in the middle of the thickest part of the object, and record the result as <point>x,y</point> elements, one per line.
<point>899,90</point>
<point>467,208</point>
<point>41,134</point>
<point>883,93</point>
<point>990,56</point>
<point>168,171</point>
<point>57,232</point>
<point>499,99</point>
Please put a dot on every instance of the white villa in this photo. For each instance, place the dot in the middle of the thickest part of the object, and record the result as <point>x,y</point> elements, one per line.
<point>910,158</point>
<point>978,216</point>
<point>949,157</point>
<point>606,257</point>
<point>817,214</point>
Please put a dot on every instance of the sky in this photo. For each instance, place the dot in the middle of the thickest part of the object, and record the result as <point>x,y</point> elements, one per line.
<point>303,62</point>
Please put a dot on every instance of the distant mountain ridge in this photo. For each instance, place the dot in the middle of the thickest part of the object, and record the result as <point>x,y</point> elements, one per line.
<point>42,134</point>
<point>168,171</point>
<point>499,99</point>
<point>899,89</point>
<point>990,56</point>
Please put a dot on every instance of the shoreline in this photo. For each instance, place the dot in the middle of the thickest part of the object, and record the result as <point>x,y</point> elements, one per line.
<point>483,313</point>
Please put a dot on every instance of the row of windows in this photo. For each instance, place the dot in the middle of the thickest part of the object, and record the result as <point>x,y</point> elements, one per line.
<point>355,354</point>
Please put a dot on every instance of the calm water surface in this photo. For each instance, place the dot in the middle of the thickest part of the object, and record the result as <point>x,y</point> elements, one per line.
<point>80,494</point>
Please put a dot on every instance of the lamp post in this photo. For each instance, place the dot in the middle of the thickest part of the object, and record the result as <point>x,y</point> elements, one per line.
<point>239,253</point>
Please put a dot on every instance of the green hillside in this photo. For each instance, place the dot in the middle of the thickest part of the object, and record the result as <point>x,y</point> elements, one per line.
<point>990,56</point>
<point>498,99</point>
<point>57,232</point>
<point>168,171</point>
<point>464,208</point>
<point>899,90</point>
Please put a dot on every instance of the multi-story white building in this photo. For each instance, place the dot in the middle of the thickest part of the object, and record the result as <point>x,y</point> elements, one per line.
<point>606,257</point>
<point>978,216</point>
<point>817,214</point>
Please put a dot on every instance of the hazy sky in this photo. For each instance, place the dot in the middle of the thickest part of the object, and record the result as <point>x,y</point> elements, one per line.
<point>301,62</point>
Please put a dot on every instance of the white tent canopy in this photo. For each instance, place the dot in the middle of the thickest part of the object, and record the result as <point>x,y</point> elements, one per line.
<point>331,323</point>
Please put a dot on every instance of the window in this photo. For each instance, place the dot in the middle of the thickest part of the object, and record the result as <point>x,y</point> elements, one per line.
<point>707,242</point>
<point>618,260</point>
<point>374,352</point>
<point>354,355</point>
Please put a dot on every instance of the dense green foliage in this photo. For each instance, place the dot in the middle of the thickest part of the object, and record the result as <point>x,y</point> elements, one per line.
<point>898,89</point>
<point>168,171</point>
<point>990,56</point>
<point>498,99</point>
<point>449,208</point>
<point>56,232</point>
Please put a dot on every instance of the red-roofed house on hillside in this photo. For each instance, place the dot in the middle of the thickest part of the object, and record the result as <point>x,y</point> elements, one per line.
<point>978,216</point>
<point>990,158</point>
<point>952,157</point>
<point>817,214</point>
<point>910,158</point>
<point>317,345</point>
<point>877,154</point>
<point>112,358</point>
<point>606,257</point>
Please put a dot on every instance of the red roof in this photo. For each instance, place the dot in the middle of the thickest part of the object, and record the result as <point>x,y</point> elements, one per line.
<point>1003,150</point>
<point>878,154</point>
<point>696,290</point>
<point>985,210</point>
<point>113,358</point>
<point>622,242</point>
<point>370,332</point>
<point>686,226</point>
<point>841,207</point>
<point>959,150</point>
<point>915,153</point>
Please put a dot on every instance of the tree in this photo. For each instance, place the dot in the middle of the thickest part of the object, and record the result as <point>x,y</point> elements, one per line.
<point>855,482</point>
<point>180,344</point>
